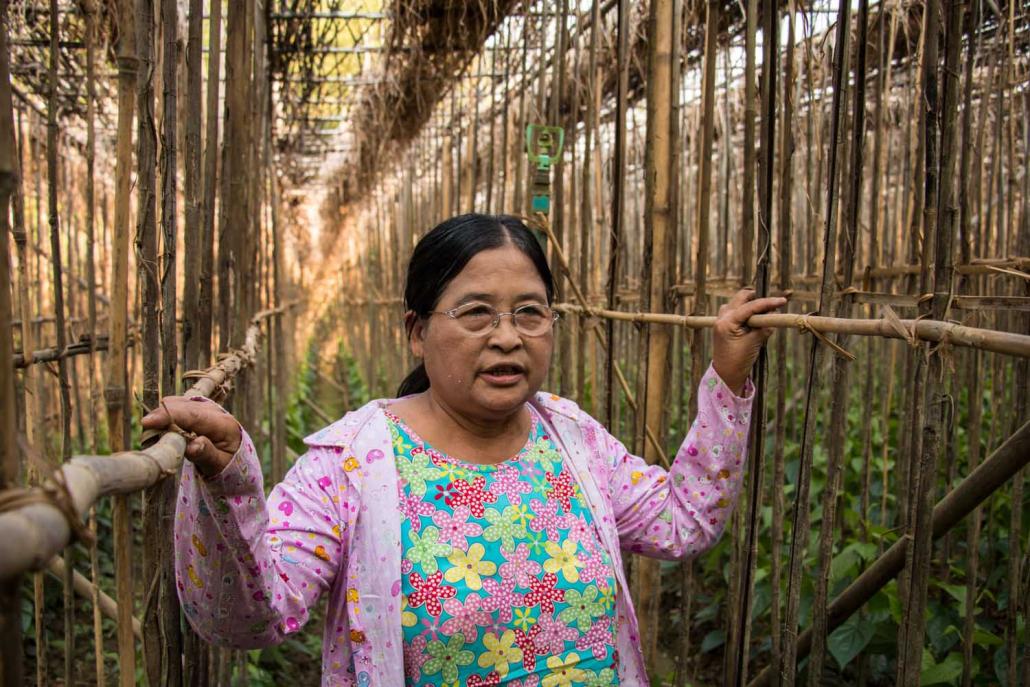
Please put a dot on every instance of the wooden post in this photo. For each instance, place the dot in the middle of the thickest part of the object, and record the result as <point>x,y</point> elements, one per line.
<point>194,227</point>
<point>205,298</point>
<point>799,533</point>
<point>658,271</point>
<point>116,392</point>
<point>10,591</point>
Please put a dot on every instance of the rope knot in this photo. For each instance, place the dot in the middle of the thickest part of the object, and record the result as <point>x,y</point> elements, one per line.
<point>805,325</point>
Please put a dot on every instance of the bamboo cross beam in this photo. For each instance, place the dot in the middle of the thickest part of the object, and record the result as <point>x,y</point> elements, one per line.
<point>992,474</point>
<point>47,355</point>
<point>913,330</point>
<point>34,533</point>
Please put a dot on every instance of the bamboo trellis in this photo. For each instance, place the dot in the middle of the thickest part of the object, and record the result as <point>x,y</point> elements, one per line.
<point>868,159</point>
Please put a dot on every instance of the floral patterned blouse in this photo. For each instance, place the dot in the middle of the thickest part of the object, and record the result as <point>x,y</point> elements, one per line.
<point>504,578</point>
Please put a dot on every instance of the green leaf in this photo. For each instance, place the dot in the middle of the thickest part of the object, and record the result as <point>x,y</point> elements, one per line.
<point>844,564</point>
<point>848,640</point>
<point>957,592</point>
<point>982,637</point>
<point>947,672</point>
<point>713,640</point>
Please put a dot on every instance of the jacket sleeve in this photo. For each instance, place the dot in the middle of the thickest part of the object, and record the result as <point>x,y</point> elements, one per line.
<point>248,569</point>
<point>679,513</point>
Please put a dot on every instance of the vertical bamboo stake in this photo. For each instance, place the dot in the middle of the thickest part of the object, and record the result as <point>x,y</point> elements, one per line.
<point>193,228</point>
<point>1021,245</point>
<point>839,376</point>
<point>973,376</point>
<point>205,302</point>
<point>767,173</point>
<point>657,271</point>
<point>94,558</point>
<point>164,493</point>
<point>799,533</point>
<point>59,322</point>
<point>10,593</point>
<point>939,236</point>
<point>747,224</point>
<point>146,249</point>
<point>233,207</point>
<point>618,199</point>
<point>785,224</point>
<point>116,391</point>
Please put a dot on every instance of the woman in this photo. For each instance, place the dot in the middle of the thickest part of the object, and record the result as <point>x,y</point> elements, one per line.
<point>470,531</point>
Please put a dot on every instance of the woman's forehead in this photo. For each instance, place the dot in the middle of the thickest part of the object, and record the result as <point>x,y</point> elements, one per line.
<point>497,273</point>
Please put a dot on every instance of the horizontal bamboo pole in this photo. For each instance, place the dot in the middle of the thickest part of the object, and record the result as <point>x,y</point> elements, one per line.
<point>49,355</point>
<point>1011,266</point>
<point>992,474</point>
<point>925,330</point>
<point>36,532</point>
<point>897,300</point>
<point>84,588</point>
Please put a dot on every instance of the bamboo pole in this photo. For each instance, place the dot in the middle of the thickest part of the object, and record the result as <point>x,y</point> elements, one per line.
<point>193,185</point>
<point>59,310</point>
<point>205,298</point>
<point>89,478</point>
<point>658,273</point>
<point>784,251</point>
<point>96,595</point>
<point>116,389</point>
<point>147,266</point>
<point>937,247</point>
<point>839,377</point>
<point>1000,467</point>
<point>618,199</point>
<point>10,591</point>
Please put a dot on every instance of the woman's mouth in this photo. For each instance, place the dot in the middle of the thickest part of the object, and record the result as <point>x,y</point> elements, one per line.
<point>503,375</point>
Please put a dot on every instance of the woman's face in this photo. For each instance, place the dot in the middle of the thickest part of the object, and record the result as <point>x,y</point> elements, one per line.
<point>462,367</point>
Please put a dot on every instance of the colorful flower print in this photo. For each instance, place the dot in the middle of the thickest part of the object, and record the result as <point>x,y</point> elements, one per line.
<point>415,471</point>
<point>504,527</point>
<point>563,671</point>
<point>447,658</point>
<point>469,566</point>
<point>500,652</point>
<point>455,527</point>
<point>425,548</point>
<point>582,607</point>
<point>563,558</point>
<point>543,453</point>
<point>466,618</point>
<point>472,495</point>
<point>501,561</point>
<point>429,591</point>
<point>519,565</point>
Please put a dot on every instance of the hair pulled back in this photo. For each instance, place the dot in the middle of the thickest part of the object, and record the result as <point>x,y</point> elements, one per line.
<point>443,253</point>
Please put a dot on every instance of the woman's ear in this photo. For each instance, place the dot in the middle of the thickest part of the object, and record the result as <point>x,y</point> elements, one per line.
<point>414,325</point>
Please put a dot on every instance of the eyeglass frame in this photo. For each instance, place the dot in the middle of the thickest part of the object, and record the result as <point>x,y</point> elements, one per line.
<point>496,322</point>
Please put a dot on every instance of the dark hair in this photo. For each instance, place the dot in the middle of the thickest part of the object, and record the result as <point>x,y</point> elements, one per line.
<point>443,253</point>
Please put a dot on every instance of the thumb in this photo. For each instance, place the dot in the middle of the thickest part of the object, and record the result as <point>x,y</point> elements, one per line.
<point>206,456</point>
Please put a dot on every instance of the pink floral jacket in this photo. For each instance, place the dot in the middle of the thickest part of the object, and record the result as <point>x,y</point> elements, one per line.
<point>249,569</point>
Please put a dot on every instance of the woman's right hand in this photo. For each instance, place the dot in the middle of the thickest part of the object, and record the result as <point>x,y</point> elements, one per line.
<point>218,434</point>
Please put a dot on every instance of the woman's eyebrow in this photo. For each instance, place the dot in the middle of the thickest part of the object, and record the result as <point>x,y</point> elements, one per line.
<point>490,298</point>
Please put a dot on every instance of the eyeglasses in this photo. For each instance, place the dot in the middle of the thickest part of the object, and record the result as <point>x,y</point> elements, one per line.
<point>479,318</point>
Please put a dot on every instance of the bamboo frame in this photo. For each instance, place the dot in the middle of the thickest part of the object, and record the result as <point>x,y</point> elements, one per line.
<point>89,478</point>
<point>992,474</point>
<point>918,330</point>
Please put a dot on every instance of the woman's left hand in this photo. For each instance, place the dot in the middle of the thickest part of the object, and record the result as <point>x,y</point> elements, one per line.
<point>736,344</point>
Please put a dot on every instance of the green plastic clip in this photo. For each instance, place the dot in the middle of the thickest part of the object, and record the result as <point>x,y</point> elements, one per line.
<point>544,146</point>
